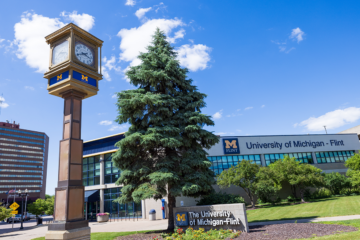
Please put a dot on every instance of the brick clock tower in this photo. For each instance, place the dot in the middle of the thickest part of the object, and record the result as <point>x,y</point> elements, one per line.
<point>73,75</point>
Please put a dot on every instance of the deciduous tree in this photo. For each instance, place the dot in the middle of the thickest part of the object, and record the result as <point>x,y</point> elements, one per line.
<point>38,207</point>
<point>243,175</point>
<point>163,152</point>
<point>4,212</point>
<point>300,176</point>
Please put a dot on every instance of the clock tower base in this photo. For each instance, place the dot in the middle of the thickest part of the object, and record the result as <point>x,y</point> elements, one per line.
<point>74,234</point>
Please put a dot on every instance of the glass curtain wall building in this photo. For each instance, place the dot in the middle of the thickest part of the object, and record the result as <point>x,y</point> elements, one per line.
<point>99,177</point>
<point>23,160</point>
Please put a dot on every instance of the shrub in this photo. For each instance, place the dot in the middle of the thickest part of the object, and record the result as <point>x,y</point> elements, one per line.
<point>219,198</point>
<point>336,182</point>
<point>321,193</point>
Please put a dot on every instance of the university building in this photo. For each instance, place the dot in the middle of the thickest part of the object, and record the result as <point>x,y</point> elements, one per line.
<point>23,161</point>
<point>325,151</point>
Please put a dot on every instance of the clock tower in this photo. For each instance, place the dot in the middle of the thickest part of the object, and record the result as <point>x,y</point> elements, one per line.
<point>73,75</point>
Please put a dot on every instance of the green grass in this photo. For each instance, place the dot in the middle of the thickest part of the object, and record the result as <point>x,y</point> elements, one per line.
<point>105,235</point>
<point>329,207</point>
<point>342,236</point>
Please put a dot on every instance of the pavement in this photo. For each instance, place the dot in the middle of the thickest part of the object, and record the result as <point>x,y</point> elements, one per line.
<point>32,231</point>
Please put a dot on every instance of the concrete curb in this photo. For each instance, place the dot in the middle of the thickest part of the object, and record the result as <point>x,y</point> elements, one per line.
<point>307,220</point>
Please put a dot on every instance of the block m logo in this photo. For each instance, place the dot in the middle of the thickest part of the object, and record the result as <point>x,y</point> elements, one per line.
<point>181,218</point>
<point>231,144</point>
<point>83,77</point>
<point>59,77</point>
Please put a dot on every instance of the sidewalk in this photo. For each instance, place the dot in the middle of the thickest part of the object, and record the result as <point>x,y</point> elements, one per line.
<point>307,220</point>
<point>122,226</point>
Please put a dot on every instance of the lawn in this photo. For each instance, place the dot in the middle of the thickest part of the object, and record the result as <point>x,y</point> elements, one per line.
<point>329,207</point>
<point>342,236</point>
<point>105,235</point>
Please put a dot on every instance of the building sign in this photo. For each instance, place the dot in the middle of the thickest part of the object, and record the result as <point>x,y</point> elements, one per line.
<point>206,218</point>
<point>231,146</point>
<point>270,144</point>
<point>219,216</point>
<point>84,78</point>
<point>289,144</point>
<point>58,78</point>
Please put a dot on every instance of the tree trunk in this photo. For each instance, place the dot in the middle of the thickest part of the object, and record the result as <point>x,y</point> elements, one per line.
<point>302,195</point>
<point>293,190</point>
<point>251,196</point>
<point>171,205</point>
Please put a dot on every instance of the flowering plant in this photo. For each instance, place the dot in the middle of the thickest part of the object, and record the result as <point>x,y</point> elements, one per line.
<point>102,214</point>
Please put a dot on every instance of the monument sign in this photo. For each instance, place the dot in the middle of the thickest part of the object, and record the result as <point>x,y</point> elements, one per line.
<point>73,75</point>
<point>222,216</point>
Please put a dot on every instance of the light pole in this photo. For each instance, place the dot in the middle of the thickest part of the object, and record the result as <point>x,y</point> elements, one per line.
<point>22,195</point>
<point>325,129</point>
<point>26,192</point>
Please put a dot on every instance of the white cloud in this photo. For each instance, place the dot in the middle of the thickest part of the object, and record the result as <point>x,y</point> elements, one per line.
<point>105,122</point>
<point>114,96</point>
<point>248,108</point>
<point>119,127</point>
<point>262,106</point>
<point>217,115</point>
<point>85,21</point>
<point>140,13</point>
<point>135,40</point>
<point>220,133</point>
<point>238,109</point>
<point>130,3</point>
<point>108,65</point>
<point>297,34</point>
<point>177,35</point>
<point>332,119</point>
<point>29,37</point>
<point>3,104</point>
<point>29,88</point>
<point>195,57</point>
<point>105,73</point>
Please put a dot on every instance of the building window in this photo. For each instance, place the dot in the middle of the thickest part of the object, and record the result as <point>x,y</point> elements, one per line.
<point>301,157</point>
<point>111,172</point>
<point>117,210</point>
<point>333,157</point>
<point>221,163</point>
<point>91,171</point>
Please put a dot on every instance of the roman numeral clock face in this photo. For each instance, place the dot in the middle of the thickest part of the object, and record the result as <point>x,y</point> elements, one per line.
<point>84,54</point>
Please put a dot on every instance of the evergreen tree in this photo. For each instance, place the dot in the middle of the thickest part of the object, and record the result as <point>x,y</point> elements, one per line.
<point>163,153</point>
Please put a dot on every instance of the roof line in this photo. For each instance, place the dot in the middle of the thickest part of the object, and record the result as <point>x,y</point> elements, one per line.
<point>105,137</point>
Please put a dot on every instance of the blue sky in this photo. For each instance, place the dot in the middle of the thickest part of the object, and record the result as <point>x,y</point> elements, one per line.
<point>268,67</point>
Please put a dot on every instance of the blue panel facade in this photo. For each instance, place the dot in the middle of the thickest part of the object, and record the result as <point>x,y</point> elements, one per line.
<point>101,145</point>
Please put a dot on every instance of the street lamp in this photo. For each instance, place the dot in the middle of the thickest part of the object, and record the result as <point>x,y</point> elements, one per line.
<point>22,195</point>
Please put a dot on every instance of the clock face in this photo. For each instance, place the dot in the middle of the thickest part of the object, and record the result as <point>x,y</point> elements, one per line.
<point>60,52</point>
<point>84,54</point>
